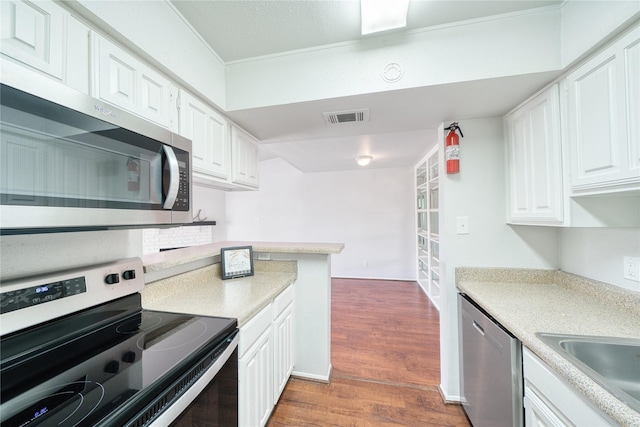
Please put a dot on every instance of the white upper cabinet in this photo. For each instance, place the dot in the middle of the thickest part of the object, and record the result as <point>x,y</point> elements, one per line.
<point>34,34</point>
<point>604,119</point>
<point>125,81</point>
<point>534,161</point>
<point>224,156</point>
<point>209,133</point>
<point>244,155</point>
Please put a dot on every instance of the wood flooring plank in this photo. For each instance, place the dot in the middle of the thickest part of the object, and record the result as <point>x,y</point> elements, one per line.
<point>386,361</point>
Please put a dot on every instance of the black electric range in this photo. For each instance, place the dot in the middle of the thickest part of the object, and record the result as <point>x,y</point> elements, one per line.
<point>109,365</point>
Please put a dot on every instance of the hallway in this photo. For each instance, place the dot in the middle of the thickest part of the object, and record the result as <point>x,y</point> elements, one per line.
<point>385,356</point>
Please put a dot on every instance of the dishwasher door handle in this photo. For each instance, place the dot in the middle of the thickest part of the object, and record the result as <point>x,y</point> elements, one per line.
<point>478,328</point>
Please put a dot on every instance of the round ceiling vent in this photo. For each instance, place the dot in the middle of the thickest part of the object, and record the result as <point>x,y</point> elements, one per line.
<point>392,72</point>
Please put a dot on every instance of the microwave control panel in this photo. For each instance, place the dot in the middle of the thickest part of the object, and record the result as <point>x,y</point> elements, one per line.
<point>182,199</point>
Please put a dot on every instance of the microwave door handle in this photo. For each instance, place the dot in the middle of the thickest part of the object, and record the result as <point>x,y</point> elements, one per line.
<point>174,177</point>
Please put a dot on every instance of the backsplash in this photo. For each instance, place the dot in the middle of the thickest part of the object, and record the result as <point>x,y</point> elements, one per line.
<point>155,239</point>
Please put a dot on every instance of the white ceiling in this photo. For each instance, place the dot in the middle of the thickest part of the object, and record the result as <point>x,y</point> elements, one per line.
<point>239,30</point>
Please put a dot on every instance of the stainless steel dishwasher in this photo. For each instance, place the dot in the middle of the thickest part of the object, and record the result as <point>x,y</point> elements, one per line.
<point>490,369</point>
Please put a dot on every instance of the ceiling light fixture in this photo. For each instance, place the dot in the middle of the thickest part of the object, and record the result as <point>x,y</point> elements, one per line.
<point>363,160</point>
<point>382,15</point>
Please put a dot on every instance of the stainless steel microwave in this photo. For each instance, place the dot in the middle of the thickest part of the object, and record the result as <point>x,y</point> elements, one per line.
<point>69,162</point>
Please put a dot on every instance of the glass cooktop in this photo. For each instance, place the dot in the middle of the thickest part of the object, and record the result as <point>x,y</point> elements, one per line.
<point>102,366</point>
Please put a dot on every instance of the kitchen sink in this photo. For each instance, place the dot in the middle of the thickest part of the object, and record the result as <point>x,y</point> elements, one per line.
<point>614,363</point>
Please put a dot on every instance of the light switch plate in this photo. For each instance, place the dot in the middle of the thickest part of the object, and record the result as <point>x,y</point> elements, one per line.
<point>462,225</point>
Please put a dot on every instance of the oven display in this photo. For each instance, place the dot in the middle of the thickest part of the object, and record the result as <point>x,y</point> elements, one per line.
<point>27,297</point>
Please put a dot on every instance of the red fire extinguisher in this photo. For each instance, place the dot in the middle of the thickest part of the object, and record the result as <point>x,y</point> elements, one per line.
<point>452,153</point>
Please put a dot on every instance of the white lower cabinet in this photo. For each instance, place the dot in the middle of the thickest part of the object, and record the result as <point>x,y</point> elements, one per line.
<point>539,414</point>
<point>550,401</point>
<point>265,360</point>
<point>283,356</point>
<point>255,370</point>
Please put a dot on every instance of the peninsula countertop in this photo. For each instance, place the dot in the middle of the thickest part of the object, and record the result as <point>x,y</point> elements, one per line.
<point>188,280</point>
<point>167,259</point>
<point>203,292</point>
<point>530,301</point>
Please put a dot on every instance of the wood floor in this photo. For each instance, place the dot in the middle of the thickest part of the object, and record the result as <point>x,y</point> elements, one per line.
<point>385,356</point>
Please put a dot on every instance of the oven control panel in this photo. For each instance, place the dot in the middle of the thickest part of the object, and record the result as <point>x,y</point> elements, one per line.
<point>22,298</point>
<point>29,301</point>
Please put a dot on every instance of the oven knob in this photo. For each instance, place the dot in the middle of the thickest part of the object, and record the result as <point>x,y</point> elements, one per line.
<point>111,279</point>
<point>129,274</point>
<point>112,367</point>
<point>129,357</point>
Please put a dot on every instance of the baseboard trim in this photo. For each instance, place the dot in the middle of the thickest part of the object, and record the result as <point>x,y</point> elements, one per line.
<point>314,377</point>
<point>375,278</point>
<point>449,399</point>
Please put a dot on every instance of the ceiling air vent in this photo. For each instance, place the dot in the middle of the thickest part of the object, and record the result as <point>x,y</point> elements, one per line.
<point>353,116</point>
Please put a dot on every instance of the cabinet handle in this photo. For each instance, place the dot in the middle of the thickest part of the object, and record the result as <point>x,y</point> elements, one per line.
<point>478,328</point>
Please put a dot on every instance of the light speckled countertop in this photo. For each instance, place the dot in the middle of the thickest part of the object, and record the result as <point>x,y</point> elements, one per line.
<point>530,301</point>
<point>167,259</point>
<point>203,292</point>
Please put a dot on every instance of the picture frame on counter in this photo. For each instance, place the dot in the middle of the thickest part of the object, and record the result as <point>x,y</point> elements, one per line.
<point>236,261</point>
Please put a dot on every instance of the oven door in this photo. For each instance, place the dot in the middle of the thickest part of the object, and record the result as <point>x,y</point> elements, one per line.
<point>212,400</point>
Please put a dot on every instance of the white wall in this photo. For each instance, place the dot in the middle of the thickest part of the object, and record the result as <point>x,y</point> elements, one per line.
<point>212,205</point>
<point>434,56</point>
<point>587,23</point>
<point>478,192</point>
<point>597,253</point>
<point>369,210</point>
<point>208,205</point>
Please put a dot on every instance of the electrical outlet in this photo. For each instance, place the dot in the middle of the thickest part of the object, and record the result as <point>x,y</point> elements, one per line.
<point>631,268</point>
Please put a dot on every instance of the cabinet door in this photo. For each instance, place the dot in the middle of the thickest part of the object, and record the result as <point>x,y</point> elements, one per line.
<point>255,388</point>
<point>535,161</point>
<point>125,81</point>
<point>555,402</point>
<point>282,350</point>
<point>209,132</point>
<point>603,119</point>
<point>33,33</point>
<point>244,154</point>
<point>157,97</point>
<point>78,63</point>
<point>537,413</point>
